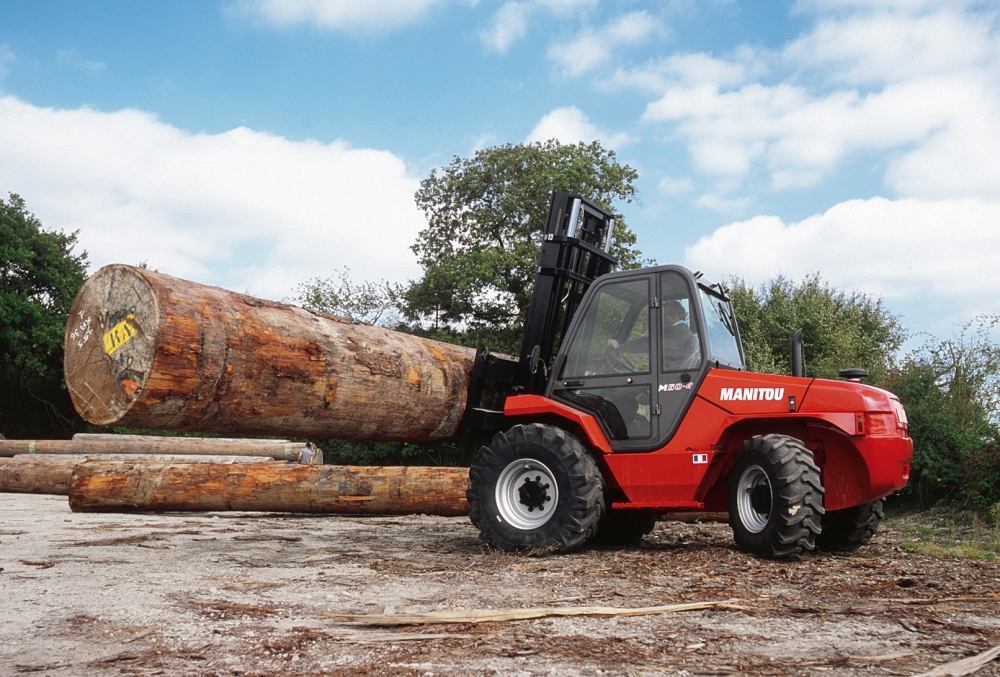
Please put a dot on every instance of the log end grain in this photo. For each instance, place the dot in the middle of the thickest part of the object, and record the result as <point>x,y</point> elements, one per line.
<point>110,343</point>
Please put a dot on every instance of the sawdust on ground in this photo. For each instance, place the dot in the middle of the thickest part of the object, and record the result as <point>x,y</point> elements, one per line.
<point>248,594</point>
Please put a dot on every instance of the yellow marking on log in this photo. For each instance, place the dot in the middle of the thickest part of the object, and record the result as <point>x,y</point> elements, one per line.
<point>31,447</point>
<point>118,335</point>
<point>436,352</point>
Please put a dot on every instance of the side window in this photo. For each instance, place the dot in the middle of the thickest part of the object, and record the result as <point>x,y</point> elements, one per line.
<point>613,337</point>
<point>721,329</point>
<point>680,348</point>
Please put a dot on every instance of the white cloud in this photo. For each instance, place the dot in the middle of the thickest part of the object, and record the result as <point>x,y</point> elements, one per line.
<point>594,48</point>
<point>511,22</point>
<point>905,250</point>
<point>570,125</point>
<point>7,57</point>
<point>243,209</point>
<point>509,25</point>
<point>674,186</point>
<point>568,7</point>
<point>68,57</point>
<point>660,76</point>
<point>718,202</point>
<point>367,16</point>
<point>923,91</point>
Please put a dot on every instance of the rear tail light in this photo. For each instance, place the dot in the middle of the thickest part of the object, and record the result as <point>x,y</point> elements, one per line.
<point>897,407</point>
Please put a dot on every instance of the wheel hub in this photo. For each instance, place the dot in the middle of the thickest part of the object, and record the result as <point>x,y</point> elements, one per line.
<point>754,499</point>
<point>533,493</point>
<point>526,494</point>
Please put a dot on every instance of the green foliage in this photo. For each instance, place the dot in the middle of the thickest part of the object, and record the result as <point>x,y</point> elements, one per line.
<point>368,302</point>
<point>951,391</point>
<point>840,330</point>
<point>485,218</point>
<point>39,278</point>
<point>345,452</point>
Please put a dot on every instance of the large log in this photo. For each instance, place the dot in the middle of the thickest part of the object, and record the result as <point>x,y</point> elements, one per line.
<point>147,350</point>
<point>50,474</point>
<point>271,487</point>
<point>84,443</point>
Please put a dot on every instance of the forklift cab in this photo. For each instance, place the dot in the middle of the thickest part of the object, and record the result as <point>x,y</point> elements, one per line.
<point>638,349</point>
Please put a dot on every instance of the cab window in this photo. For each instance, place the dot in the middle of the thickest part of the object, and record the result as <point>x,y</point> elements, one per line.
<point>721,324</point>
<point>679,348</point>
<point>613,337</point>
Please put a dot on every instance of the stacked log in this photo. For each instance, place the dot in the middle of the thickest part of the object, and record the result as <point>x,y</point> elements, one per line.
<point>270,487</point>
<point>147,350</point>
<point>90,444</point>
<point>50,473</point>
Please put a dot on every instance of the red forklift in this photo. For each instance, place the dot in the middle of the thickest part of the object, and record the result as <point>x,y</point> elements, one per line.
<point>631,398</point>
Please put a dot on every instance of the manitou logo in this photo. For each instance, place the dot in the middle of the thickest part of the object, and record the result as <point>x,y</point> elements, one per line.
<point>755,394</point>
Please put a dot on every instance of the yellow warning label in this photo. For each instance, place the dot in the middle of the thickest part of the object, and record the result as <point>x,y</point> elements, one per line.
<point>118,335</point>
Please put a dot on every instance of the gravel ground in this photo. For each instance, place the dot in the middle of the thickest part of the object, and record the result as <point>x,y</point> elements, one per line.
<point>251,594</point>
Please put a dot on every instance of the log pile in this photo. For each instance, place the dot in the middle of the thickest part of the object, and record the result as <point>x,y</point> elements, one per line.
<point>147,350</point>
<point>99,486</point>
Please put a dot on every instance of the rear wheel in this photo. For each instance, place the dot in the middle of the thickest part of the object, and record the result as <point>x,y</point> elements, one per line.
<point>535,486</point>
<point>775,498</point>
<point>623,527</point>
<point>850,528</point>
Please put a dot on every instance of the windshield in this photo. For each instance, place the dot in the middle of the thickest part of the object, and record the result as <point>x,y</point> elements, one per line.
<point>721,324</point>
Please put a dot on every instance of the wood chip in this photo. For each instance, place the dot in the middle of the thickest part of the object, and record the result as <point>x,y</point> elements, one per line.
<point>40,565</point>
<point>499,615</point>
<point>966,666</point>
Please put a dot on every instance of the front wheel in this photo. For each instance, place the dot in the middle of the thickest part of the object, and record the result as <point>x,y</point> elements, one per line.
<point>535,486</point>
<point>775,498</point>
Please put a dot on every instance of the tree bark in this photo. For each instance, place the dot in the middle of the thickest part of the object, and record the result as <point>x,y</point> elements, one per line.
<point>83,443</point>
<point>272,487</point>
<point>148,350</point>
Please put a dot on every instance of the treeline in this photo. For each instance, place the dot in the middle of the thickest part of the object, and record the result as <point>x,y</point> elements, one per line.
<point>485,217</point>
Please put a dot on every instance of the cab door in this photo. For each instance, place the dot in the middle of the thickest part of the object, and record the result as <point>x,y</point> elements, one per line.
<point>680,349</point>
<point>609,368</point>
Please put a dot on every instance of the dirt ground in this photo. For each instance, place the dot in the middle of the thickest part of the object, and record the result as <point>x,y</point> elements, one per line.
<point>248,594</point>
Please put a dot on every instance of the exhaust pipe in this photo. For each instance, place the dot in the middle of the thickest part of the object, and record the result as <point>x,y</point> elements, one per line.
<point>797,368</point>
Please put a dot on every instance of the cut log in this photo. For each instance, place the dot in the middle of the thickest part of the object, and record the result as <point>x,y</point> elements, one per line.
<point>270,487</point>
<point>50,473</point>
<point>281,450</point>
<point>151,351</point>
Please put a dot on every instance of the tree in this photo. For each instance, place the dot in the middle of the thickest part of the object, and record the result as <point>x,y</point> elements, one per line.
<point>840,329</point>
<point>368,302</point>
<point>951,391</point>
<point>485,219</point>
<point>39,278</point>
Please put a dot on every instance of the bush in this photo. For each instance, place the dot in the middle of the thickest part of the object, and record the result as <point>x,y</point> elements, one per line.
<point>951,391</point>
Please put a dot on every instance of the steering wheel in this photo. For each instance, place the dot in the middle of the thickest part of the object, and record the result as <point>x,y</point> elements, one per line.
<point>614,358</point>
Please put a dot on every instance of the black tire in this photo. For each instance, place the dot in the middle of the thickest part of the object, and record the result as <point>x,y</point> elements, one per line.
<point>775,498</point>
<point>623,527</point>
<point>557,505</point>
<point>850,528</point>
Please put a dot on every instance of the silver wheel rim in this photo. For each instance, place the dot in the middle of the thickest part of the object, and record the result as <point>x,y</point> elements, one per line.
<point>527,494</point>
<point>752,487</point>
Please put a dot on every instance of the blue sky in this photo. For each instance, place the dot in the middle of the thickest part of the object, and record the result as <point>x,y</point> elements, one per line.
<point>255,144</point>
